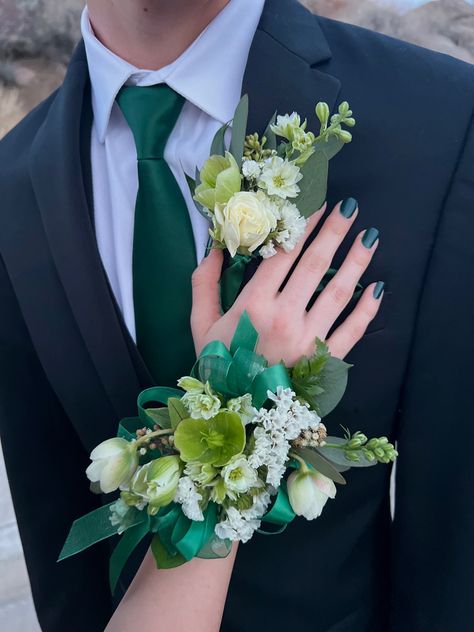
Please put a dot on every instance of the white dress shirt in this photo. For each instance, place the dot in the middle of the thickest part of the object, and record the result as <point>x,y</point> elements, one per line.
<point>209,75</point>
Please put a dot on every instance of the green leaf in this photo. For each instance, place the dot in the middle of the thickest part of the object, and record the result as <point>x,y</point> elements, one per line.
<point>314,364</point>
<point>313,186</point>
<point>162,558</point>
<point>320,463</point>
<point>270,135</point>
<point>177,411</point>
<point>160,416</point>
<point>239,129</point>
<point>329,147</point>
<point>218,143</point>
<point>323,391</point>
<point>336,455</point>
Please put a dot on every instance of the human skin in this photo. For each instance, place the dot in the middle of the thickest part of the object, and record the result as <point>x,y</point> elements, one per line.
<point>192,596</point>
<point>150,34</point>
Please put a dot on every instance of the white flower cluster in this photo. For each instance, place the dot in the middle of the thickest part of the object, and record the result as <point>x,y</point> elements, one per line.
<point>188,497</point>
<point>241,525</point>
<point>276,180</point>
<point>275,428</point>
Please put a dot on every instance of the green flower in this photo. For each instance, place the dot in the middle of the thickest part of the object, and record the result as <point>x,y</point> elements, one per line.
<point>202,405</point>
<point>157,482</point>
<point>243,407</point>
<point>191,384</point>
<point>288,126</point>
<point>215,441</point>
<point>202,473</point>
<point>220,179</point>
<point>239,477</point>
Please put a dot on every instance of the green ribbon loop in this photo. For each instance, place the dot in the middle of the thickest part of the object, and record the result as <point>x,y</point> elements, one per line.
<point>240,370</point>
<point>159,394</point>
<point>281,512</point>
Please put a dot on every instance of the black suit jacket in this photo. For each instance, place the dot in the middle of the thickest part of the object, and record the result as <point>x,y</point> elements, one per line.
<point>69,370</point>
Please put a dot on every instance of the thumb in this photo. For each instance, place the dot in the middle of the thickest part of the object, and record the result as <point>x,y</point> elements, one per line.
<point>206,296</point>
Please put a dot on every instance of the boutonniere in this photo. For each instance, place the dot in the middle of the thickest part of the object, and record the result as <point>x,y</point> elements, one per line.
<point>258,193</point>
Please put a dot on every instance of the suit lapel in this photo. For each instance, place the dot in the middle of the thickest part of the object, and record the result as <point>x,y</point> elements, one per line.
<point>285,70</point>
<point>57,179</point>
<point>285,65</point>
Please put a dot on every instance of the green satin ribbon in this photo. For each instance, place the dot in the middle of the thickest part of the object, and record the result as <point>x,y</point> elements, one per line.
<point>240,370</point>
<point>231,280</point>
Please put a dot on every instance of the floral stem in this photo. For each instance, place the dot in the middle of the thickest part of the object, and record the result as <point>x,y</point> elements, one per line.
<point>342,446</point>
<point>155,433</point>
<point>302,462</point>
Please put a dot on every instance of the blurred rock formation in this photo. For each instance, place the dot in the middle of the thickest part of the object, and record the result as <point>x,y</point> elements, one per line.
<point>37,38</point>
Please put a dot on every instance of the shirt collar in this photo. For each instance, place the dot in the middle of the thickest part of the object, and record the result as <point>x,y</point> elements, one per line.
<point>208,73</point>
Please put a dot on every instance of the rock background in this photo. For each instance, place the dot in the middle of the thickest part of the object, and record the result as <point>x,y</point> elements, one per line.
<point>36,40</point>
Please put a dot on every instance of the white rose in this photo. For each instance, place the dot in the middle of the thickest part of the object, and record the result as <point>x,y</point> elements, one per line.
<point>308,492</point>
<point>114,462</point>
<point>245,221</point>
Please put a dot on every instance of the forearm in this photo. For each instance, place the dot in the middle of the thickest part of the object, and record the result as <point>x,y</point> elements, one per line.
<point>190,597</point>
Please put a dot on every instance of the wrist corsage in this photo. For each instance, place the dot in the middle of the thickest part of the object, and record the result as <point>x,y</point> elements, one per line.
<point>239,448</point>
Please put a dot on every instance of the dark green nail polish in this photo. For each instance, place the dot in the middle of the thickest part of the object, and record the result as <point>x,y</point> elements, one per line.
<point>378,289</point>
<point>348,207</point>
<point>370,237</point>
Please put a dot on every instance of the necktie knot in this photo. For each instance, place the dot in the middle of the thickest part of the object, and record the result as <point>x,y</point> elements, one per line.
<point>151,113</point>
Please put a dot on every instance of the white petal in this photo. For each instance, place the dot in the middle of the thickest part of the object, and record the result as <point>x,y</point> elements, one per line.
<point>325,484</point>
<point>109,448</point>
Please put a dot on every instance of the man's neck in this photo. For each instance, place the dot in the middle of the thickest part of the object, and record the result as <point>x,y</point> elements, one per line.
<point>151,33</point>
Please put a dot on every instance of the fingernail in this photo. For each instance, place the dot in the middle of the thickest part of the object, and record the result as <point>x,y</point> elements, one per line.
<point>348,207</point>
<point>370,237</point>
<point>378,289</point>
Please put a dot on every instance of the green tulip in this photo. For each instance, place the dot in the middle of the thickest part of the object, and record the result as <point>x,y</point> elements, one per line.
<point>114,462</point>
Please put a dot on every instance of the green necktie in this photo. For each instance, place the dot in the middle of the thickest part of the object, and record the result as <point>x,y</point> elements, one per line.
<point>164,254</point>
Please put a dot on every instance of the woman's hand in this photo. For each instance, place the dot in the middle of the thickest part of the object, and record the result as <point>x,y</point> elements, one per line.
<point>286,329</point>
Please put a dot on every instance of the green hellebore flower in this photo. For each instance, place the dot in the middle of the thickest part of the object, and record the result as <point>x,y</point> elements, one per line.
<point>114,462</point>
<point>215,441</point>
<point>220,179</point>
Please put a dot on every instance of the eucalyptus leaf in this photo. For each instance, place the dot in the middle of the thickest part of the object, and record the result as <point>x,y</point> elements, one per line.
<point>218,142</point>
<point>162,558</point>
<point>177,411</point>
<point>334,382</point>
<point>239,129</point>
<point>323,391</point>
<point>270,134</point>
<point>320,463</point>
<point>160,416</point>
<point>336,455</point>
<point>329,147</point>
<point>313,186</point>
